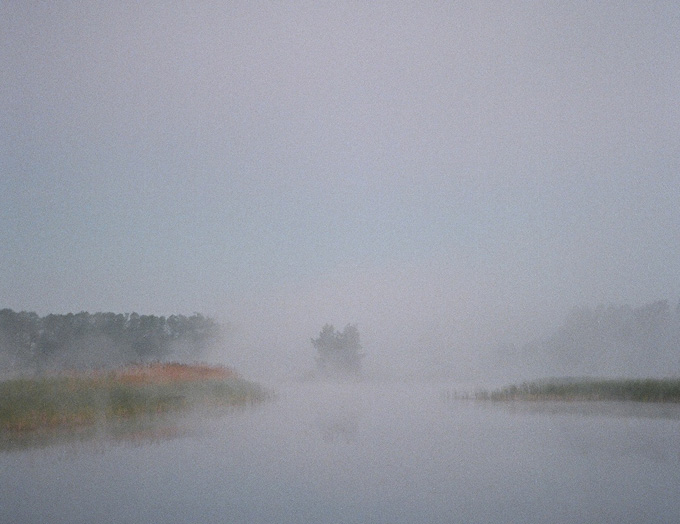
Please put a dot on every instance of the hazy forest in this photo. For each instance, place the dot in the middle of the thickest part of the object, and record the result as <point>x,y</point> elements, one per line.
<point>605,341</point>
<point>84,340</point>
<point>611,340</point>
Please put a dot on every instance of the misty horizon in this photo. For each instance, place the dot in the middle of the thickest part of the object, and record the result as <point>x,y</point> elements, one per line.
<point>612,341</point>
<point>445,176</point>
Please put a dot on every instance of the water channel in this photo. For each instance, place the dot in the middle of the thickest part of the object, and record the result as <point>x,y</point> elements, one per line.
<point>363,453</point>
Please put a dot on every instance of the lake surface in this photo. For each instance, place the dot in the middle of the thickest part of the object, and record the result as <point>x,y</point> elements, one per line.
<point>364,453</point>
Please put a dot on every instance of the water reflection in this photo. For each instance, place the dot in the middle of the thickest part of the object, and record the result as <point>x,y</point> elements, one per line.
<point>339,427</point>
<point>136,431</point>
<point>617,409</point>
<point>571,426</point>
<point>368,453</point>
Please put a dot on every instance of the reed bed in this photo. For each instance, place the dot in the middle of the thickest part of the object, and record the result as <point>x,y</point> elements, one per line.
<point>634,390</point>
<point>85,399</point>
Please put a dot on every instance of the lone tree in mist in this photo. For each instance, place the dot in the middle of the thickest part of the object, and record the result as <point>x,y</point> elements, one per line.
<point>338,352</point>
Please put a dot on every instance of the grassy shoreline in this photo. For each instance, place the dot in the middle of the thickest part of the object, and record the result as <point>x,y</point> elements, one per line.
<point>632,390</point>
<point>77,400</point>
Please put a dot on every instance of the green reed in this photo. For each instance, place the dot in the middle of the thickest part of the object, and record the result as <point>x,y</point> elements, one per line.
<point>57,401</point>
<point>635,390</point>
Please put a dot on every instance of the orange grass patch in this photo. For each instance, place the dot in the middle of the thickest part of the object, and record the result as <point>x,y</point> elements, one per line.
<point>79,398</point>
<point>171,373</point>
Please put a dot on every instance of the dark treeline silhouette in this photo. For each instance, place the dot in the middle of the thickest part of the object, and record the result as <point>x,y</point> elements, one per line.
<point>88,340</point>
<point>613,340</point>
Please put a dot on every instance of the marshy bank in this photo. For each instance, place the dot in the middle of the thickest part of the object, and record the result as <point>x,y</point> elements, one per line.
<point>79,401</point>
<point>585,389</point>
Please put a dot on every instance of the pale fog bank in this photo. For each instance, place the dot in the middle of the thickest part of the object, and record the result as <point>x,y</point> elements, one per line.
<point>605,341</point>
<point>276,346</point>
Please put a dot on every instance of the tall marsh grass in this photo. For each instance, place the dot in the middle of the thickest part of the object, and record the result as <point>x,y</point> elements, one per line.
<point>635,390</point>
<point>84,399</point>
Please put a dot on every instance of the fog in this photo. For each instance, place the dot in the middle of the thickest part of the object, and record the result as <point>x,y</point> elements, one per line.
<point>364,453</point>
<point>454,179</point>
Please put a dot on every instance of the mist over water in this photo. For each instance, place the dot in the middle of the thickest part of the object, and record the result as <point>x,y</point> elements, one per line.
<point>487,190</point>
<point>367,452</point>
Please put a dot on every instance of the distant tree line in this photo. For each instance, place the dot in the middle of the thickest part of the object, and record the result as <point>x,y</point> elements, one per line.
<point>28,341</point>
<point>614,340</point>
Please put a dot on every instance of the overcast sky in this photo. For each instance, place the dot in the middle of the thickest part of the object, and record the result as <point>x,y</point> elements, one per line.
<point>441,173</point>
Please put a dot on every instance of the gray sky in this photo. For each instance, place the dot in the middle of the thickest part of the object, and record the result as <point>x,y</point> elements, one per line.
<point>444,174</point>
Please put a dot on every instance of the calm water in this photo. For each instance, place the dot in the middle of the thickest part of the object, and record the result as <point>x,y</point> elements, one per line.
<point>364,454</point>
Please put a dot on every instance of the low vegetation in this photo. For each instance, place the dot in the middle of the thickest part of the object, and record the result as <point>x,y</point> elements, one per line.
<point>75,400</point>
<point>635,390</point>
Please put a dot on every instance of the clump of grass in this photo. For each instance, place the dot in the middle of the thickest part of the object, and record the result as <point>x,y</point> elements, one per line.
<point>85,399</point>
<point>635,390</point>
